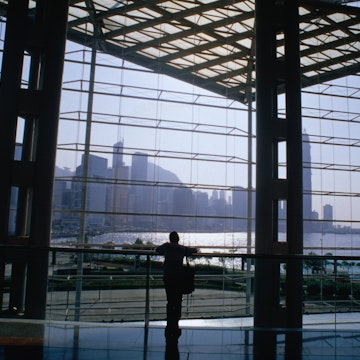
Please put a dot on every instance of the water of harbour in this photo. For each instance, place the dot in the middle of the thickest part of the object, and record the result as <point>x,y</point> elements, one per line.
<point>237,242</point>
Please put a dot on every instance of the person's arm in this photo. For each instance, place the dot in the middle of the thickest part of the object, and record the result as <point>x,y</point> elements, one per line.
<point>160,249</point>
<point>190,251</point>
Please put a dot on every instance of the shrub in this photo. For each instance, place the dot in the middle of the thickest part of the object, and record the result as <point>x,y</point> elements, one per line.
<point>343,290</point>
<point>313,287</point>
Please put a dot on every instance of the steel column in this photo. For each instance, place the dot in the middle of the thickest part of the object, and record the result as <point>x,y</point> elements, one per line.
<point>11,71</point>
<point>40,35</point>
<point>277,24</point>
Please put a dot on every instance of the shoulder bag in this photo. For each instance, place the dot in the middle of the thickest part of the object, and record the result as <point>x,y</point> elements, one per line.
<point>188,278</point>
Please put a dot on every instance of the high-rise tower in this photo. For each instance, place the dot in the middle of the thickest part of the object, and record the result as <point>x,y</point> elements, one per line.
<point>307,200</point>
<point>141,193</point>
<point>96,190</point>
<point>119,191</point>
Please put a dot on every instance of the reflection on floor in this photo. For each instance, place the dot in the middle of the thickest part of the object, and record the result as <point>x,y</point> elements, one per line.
<point>224,339</point>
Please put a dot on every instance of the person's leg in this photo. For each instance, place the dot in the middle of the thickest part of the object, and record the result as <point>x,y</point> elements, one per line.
<point>173,313</point>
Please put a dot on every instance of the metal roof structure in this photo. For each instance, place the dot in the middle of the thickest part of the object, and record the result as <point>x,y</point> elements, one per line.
<point>210,43</point>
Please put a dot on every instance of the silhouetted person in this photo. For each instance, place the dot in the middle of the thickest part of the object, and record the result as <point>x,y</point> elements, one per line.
<point>172,352</point>
<point>174,256</point>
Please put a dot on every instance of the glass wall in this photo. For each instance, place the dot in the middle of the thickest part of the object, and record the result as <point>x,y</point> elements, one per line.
<point>125,285</point>
<point>150,154</point>
<point>141,154</point>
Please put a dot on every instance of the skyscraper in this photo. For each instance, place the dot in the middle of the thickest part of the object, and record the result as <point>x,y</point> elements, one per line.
<point>118,150</point>
<point>307,187</point>
<point>119,190</point>
<point>96,190</point>
<point>140,200</point>
<point>328,217</point>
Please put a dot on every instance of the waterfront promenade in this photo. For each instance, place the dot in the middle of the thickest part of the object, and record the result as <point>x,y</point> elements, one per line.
<point>129,305</point>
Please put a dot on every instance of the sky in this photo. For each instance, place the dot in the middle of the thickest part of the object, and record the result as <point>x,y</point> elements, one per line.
<point>148,125</point>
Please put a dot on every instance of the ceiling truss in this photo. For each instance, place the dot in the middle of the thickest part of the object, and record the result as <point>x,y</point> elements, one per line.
<point>210,43</point>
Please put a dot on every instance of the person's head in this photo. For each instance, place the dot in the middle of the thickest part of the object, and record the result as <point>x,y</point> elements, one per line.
<point>174,237</point>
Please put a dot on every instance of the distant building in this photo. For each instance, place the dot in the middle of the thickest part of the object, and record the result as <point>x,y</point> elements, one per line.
<point>201,199</point>
<point>141,193</point>
<point>328,225</point>
<point>119,189</point>
<point>183,203</point>
<point>307,186</point>
<point>95,190</point>
<point>240,208</point>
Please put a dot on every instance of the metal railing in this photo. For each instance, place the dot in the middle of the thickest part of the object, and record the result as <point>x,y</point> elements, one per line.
<point>126,285</point>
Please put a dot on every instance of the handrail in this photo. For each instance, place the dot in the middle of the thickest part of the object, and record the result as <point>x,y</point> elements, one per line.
<point>324,286</point>
<point>150,250</point>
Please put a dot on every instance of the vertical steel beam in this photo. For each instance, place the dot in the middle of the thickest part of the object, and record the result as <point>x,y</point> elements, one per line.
<point>10,84</point>
<point>294,279</point>
<point>54,26</point>
<point>277,21</point>
<point>11,71</point>
<point>84,186</point>
<point>42,37</point>
<point>265,94</point>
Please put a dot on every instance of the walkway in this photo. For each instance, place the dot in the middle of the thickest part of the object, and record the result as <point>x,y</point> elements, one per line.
<point>223,339</point>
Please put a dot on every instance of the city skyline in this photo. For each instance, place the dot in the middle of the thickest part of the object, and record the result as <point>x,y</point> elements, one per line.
<point>202,137</point>
<point>146,196</point>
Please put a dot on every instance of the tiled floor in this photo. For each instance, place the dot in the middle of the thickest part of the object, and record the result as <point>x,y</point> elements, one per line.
<point>224,339</point>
